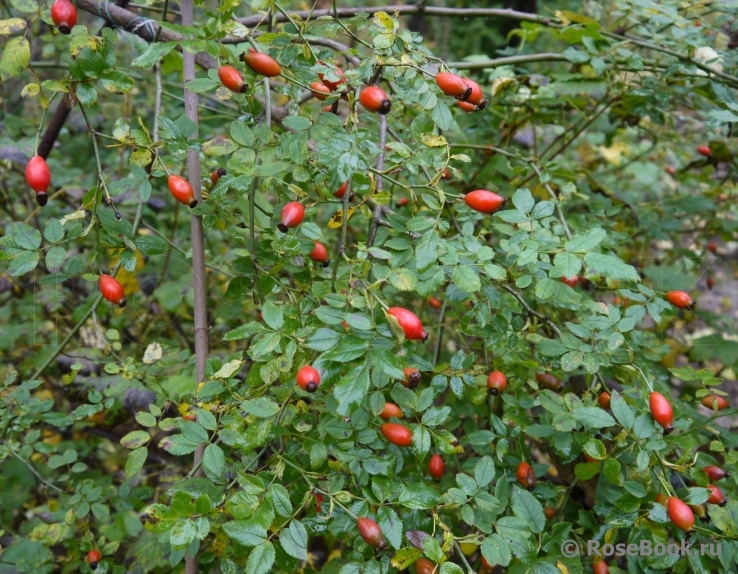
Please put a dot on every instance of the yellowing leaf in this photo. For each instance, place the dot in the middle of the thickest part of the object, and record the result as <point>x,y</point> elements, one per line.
<point>614,153</point>
<point>11,26</point>
<point>15,58</point>
<point>336,220</point>
<point>30,90</point>
<point>433,141</point>
<point>385,20</point>
<point>227,370</point>
<point>141,157</point>
<point>562,568</point>
<point>152,353</point>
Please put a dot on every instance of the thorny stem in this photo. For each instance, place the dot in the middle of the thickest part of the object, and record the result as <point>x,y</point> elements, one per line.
<point>100,174</point>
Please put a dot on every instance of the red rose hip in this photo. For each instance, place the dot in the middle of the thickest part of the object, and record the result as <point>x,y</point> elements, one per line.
<point>262,64</point>
<point>715,473</point>
<point>308,379</point>
<point>292,216</point>
<point>680,299</point>
<point>397,434</point>
<point>409,322</point>
<point>680,514</point>
<point>496,382</point>
<point>525,475</point>
<point>436,466</point>
<point>319,254</point>
<point>412,377</point>
<point>485,201</point>
<point>38,177</point>
<point>715,402</point>
<point>452,85</point>
<point>93,558</point>
<point>217,174</point>
<point>391,410</point>
<point>64,15</point>
<point>182,191</point>
<point>112,290</point>
<point>232,79</point>
<point>661,411</point>
<point>375,100</point>
<point>476,98</point>
<point>716,496</point>
<point>370,532</point>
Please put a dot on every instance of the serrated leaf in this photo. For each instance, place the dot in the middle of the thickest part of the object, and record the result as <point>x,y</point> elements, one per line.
<point>466,279</point>
<point>612,267</point>
<point>527,507</point>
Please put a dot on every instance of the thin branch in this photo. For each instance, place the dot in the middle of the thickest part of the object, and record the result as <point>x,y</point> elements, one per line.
<point>409,9</point>
<point>508,61</point>
<point>530,311</point>
<point>100,174</point>
<point>33,470</point>
<point>380,167</point>
<point>437,350</point>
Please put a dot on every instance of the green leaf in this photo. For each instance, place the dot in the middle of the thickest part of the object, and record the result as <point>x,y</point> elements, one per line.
<point>219,146</point>
<point>523,200</point>
<point>442,116</point>
<point>55,258</point>
<point>25,236</point>
<point>593,417</point>
<point>527,507</point>
<point>466,279</point>
<point>273,315</point>
<point>484,471</point>
<point>297,123</point>
<point>245,532</point>
<point>322,340</point>
<point>496,550</point>
<point>280,499</point>
<point>567,264</point>
<point>612,267</point>
<point>53,232</point>
<point>242,134</point>
<point>244,331</point>
<point>262,407</point>
<point>584,242</point>
<point>294,540</point>
<point>426,250</point>
<point>213,460</point>
<point>151,245</point>
<point>403,279</point>
<point>136,460</point>
<point>419,496</point>
<point>352,388</point>
<point>200,85</point>
<point>261,559</point>
<point>621,410</point>
<point>154,54</point>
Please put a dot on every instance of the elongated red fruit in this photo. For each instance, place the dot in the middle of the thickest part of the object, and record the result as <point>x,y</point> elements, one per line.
<point>680,299</point>
<point>112,290</point>
<point>292,216</point>
<point>320,90</point>
<point>435,302</point>
<point>308,379</point>
<point>319,254</point>
<point>548,381</point>
<point>412,377</point>
<point>93,558</point>
<point>712,246</point>
<point>662,499</point>
<point>715,473</point>
<point>232,79</point>
<point>715,402</point>
<point>661,411</point>
<point>375,100</point>
<point>680,514</point>
<point>704,150</point>
<point>391,410</point>
<point>716,496</point>
<point>182,191</point>
<point>38,177</point>
<point>700,511</point>
<point>370,532</point>
<point>526,476</point>
<point>397,434</point>
<point>467,107</point>
<point>496,382</point>
<point>424,566</point>
<point>604,400</point>
<point>600,567</point>
<point>452,85</point>
<point>341,190</point>
<point>436,466</point>
<point>217,174</point>
<point>485,201</point>
<point>332,86</point>
<point>64,15</point>
<point>409,322</point>
<point>403,201</point>
<point>570,281</point>
<point>476,98</point>
<point>262,64</point>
